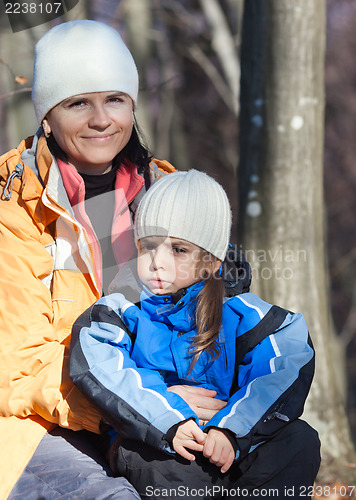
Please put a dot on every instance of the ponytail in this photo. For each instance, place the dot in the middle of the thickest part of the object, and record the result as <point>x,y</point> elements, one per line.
<point>208,318</point>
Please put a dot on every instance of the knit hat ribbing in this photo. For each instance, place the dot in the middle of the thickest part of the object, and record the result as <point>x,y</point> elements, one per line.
<point>187,205</point>
<point>78,57</point>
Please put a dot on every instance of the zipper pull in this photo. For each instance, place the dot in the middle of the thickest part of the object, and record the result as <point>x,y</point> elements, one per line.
<point>278,415</point>
<point>8,186</point>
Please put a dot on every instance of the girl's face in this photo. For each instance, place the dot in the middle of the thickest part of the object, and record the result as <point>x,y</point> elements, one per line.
<point>91,128</point>
<point>166,265</point>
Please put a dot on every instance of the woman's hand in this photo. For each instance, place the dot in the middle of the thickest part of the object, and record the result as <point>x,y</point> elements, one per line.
<point>219,450</point>
<point>202,401</point>
<point>188,435</point>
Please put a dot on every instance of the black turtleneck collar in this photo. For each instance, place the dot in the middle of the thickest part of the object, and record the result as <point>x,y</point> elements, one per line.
<point>99,183</point>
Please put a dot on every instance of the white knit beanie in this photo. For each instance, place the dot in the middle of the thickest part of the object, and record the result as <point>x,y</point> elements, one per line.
<point>78,57</point>
<point>188,205</point>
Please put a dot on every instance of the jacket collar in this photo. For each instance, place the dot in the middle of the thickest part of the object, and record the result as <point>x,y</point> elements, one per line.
<point>173,308</point>
<point>35,159</point>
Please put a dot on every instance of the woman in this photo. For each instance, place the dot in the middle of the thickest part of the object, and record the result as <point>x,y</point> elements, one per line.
<point>67,194</point>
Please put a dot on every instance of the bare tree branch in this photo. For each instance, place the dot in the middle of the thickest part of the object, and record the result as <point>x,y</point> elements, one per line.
<point>8,67</point>
<point>211,71</point>
<point>14,92</point>
<point>224,46</point>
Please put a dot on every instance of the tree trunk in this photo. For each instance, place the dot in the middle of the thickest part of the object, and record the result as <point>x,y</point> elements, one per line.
<point>138,19</point>
<point>16,60</point>
<point>281,223</point>
<point>19,116</point>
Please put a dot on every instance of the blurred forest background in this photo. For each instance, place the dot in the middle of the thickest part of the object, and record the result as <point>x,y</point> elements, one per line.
<point>188,56</point>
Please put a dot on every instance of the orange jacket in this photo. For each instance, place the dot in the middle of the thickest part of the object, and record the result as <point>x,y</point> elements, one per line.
<point>48,277</point>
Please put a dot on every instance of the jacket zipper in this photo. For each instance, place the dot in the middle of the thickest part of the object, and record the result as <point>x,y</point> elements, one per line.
<point>92,253</point>
<point>64,213</point>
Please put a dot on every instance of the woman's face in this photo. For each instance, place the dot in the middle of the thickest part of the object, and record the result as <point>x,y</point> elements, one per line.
<point>91,128</point>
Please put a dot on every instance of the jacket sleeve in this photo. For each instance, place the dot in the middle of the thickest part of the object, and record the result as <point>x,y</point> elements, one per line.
<point>134,399</point>
<point>274,377</point>
<point>34,375</point>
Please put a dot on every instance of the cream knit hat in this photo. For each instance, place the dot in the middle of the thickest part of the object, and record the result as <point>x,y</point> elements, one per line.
<point>78,57</point>
<point>187,205</point>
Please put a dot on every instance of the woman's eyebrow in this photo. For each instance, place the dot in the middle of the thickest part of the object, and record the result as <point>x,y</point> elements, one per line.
<point>75,99</point>
<point>84,97</point>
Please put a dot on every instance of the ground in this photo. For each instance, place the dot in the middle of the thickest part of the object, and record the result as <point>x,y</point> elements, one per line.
<point>334,491</point>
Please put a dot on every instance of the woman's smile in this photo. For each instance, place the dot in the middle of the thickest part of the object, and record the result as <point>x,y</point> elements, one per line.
<point>92,129</point>
<point>101,138</point>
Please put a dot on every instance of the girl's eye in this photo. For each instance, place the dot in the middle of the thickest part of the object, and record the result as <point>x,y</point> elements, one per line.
<point>146,248</point>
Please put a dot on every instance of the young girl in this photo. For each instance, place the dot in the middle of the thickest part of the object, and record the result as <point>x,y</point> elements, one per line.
<point>257,358</point>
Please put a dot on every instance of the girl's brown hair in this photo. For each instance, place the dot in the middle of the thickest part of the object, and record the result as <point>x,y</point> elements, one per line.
<point>208,313</point>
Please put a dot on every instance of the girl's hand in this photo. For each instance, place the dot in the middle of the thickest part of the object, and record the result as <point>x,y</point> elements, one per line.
<point>188,435</point>
<point>202,401</point>
<point>219,450</point>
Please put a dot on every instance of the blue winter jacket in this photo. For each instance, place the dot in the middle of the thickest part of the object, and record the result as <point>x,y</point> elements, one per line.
<point>124,357</point>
